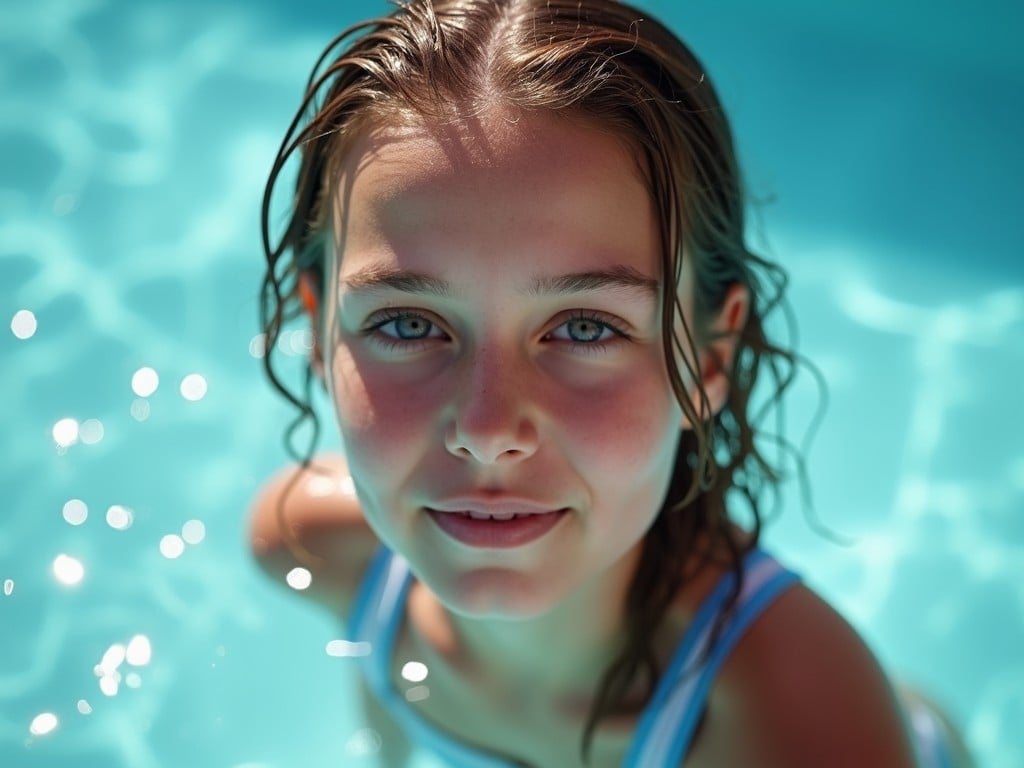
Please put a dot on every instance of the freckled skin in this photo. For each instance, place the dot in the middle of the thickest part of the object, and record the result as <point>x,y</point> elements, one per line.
<point>498,397</point>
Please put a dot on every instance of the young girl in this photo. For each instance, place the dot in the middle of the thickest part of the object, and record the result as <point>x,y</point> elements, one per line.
<point>518,233</point>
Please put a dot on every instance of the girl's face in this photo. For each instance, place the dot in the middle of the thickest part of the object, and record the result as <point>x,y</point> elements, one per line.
<point>493,346</point>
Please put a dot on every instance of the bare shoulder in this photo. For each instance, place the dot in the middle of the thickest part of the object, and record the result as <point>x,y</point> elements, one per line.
<point>803,689</point>
<point>310,518</point>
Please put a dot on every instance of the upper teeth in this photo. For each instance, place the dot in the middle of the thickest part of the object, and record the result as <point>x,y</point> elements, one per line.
<point>478,515</point>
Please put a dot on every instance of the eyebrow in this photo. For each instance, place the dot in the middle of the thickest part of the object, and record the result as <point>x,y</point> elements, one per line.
<point>616,277</point>
<point>378,277</point>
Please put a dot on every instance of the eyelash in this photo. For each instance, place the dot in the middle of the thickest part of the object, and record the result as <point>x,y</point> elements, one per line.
<point>392,342</point>
<point>604,322</point>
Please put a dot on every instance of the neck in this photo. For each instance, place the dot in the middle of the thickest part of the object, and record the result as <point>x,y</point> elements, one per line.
<point>558,656</point>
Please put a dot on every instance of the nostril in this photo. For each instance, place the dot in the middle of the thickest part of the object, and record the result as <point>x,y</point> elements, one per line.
<point>490,443</point>
<point>509,453</point>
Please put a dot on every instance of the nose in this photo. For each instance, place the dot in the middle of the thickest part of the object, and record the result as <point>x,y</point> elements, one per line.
<point>492,421</point>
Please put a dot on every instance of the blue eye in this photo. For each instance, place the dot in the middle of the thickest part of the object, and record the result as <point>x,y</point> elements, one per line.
<point>411,327</point>
<point>402,327</point>
<point>588,330</point>
<point>584,329</point>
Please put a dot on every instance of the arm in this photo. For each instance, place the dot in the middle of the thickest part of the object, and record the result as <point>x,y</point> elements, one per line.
<point>310,518</point>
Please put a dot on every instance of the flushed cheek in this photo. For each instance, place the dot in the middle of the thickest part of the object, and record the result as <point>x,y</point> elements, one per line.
<point>615,427</point>
<point>624,424</point>
<point>382,419</point>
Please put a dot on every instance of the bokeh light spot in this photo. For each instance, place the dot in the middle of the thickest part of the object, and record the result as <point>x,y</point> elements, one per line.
<point>321,486</point>
<point>75,511</point>
<point>414,671</point>
<point>347,648</point>
<point>258,346</point>
<point>68,570</point>
<point>299,578</point>
<point>193,387</point>
<point>112,659</point>
<point>140,409</point>
<point>193,531</point>
<point>139,651</point>
<point>65,433</point>
<point>417,693</point>
<point>120,518</point>
<point>91,431</point>
<point>109,684</point>
<point>145,382</point>
<point>23,324</point>
<point>300,342</point>
<point>8,587</point>
<point>43,724</point>
<point>84,707</point>
<point>172,546</point>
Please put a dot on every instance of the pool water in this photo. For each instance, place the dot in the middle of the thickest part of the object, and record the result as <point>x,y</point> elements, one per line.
<point>135,138</point>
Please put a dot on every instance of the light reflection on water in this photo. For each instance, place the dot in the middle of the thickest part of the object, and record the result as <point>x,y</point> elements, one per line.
<point>135,138</point>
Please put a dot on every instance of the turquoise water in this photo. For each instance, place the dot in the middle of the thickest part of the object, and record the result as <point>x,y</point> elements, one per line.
<point>134,143</point>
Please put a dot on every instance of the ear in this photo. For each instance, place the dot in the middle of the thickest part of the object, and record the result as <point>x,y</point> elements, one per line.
<point>716,357</point>
<point>309,295</point>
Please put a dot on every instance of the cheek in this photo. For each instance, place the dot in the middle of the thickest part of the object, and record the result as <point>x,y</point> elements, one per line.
<point>617,427</point>
<point>625,427</point>
<point>381,416</point>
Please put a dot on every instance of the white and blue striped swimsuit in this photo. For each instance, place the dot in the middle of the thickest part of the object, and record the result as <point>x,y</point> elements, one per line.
<point>670,719</point>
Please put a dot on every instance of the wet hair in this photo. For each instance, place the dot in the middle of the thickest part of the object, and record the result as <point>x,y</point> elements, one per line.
<point>610,65</point>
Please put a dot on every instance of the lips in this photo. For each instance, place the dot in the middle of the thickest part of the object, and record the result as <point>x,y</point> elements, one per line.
<point>496,524</point>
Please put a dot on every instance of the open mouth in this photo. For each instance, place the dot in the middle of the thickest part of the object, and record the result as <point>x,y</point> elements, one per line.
<point>496,529</point>
<point>480,515</point>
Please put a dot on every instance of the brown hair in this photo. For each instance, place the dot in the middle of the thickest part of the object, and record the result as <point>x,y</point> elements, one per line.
<point>608,63</point>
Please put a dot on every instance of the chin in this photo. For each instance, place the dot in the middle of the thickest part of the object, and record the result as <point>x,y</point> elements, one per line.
<point>496,594</point>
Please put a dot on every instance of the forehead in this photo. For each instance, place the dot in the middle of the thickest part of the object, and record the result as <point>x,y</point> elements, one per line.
<point>402,154</point>
<point>495,137</point>
<point>517,182</point>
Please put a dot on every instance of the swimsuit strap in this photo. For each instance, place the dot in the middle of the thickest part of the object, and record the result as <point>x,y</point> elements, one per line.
<point>670,719</point>
<point>375,619</point>
<point>932,742</point>
<point>376,612</point>
<point>668,722</point>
